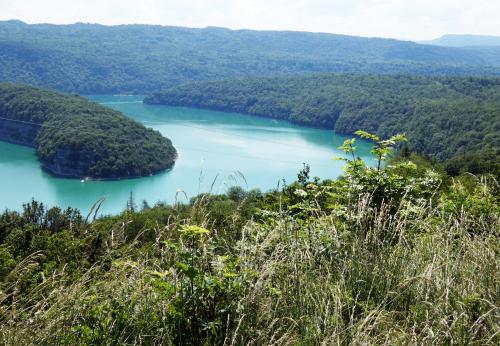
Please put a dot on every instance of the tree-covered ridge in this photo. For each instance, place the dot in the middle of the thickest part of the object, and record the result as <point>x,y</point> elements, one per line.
<point>444,117</point>
<point>89,58</point>
<point>79,138</point>
<point>400,254</point>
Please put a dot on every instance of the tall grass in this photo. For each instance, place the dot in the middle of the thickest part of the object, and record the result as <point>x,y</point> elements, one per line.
<point>371,275</point>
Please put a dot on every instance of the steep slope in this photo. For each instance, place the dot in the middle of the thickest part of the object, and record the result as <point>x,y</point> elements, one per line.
<point>89,58</point>
<point>443,117</point>
<point>78,138</point>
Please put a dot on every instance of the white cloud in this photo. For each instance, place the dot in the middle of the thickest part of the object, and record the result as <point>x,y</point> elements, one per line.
<point>410,19</point>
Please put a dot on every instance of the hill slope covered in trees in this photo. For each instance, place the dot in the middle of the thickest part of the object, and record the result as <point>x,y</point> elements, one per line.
<point>75,137</point>
<point>90,58</point>
<point>444,117</point>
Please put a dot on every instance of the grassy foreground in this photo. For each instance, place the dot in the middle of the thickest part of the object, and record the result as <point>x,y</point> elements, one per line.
<point>395,255</point>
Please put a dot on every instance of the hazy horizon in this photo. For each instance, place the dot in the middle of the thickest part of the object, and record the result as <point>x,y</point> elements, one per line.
<point>398,19</point>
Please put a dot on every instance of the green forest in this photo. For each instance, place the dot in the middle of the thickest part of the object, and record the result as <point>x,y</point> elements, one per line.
<point>75,137</point>
<point>399,254</point>
<point>98,59</point>
<point>445,118</point>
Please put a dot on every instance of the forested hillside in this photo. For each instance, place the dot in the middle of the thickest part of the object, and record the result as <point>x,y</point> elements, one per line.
<point>397,255</point>
<point>78,138</point>
<point>143,58</point>
<point>444,117</point>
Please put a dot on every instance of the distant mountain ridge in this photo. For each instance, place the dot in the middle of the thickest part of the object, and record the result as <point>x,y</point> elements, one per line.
<point>93,58</point>
<point>464,41</point>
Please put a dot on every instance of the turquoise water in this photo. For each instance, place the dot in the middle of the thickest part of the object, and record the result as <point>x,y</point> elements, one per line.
<point>216,150</point>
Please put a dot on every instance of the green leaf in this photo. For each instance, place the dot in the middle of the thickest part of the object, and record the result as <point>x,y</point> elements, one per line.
<point>366,135</point>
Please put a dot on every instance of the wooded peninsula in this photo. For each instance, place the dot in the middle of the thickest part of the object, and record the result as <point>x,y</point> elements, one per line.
<point>77,138</point>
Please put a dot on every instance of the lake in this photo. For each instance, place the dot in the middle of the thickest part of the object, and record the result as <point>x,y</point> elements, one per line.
<point>216,150</point>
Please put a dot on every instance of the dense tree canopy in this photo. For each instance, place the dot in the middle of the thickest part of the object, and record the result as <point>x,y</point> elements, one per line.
<point>79,138</point>
<point>444,117</point>
<point>89,58</point>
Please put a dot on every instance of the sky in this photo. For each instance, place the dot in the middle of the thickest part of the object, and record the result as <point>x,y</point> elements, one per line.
<point>402,19</point>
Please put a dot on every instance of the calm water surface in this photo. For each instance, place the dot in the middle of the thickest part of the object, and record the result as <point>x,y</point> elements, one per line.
<point>224,147</point>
